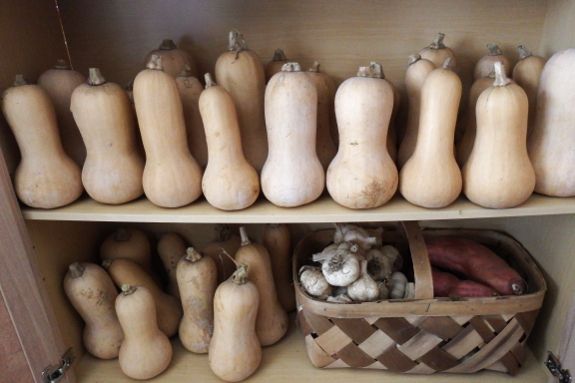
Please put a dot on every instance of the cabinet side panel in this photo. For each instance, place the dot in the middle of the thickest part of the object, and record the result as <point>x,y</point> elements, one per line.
<point>15,368</point>
<point>558,30</point>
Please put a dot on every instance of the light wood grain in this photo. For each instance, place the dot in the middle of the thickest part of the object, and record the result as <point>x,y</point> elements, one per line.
<point>558,31</point>
<point>12,359</point>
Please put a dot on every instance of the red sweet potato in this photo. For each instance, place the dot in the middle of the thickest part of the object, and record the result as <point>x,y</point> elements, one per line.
<point>448,285</point>
<point>476,262</point>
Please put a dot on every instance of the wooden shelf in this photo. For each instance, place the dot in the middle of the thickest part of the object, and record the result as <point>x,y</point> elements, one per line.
<point>287,362</point>
<point>323,210</point>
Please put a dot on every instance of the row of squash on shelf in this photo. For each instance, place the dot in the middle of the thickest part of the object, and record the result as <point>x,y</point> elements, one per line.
<point>295,112</point>
<point>226,307</point>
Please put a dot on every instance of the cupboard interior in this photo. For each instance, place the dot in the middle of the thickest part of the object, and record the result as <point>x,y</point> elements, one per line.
<point>60,243</point>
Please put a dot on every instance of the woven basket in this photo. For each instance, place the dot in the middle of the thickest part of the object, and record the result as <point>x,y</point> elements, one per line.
<point>424,335</point>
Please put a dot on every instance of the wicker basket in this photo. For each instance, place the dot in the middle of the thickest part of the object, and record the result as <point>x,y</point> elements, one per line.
<point>422,335</point>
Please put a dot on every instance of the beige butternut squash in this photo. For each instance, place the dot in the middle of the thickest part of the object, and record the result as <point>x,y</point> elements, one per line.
<point>241,72</point>
<point>275,65</point>
<point>171,248</point>
<point>498,173</point>
<point>128,243</point>
<point>277,240</point>
<point>112,172</point>
<point>92,293</point>
<point>146,351</point>
<point>431,177</point>
<point>230,182</point>
<point>45,177</point>
<point>197,277</point>
<point>417,71</point>
<point>190,89</point>
<point>437,52</point>
<point>553,139</point>
<point>172,177</point>
<point>169,312</point>
<point>292,175</point>
<point>362,175</point>
<point>227,241</point>
<point>59,82</point>
<point>235,352</point>
<point>484,66</point>
<point>325,86</point>
<point>526,73</point>
<point>174,60</point>
<point>272,322</point>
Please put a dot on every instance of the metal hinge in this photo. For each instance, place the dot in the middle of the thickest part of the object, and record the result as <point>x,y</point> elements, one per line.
<point>53,374</point>
<point>554,366</point>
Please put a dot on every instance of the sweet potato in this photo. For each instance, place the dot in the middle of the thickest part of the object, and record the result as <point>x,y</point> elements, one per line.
<point>448,285</point>
<point>476,262</point>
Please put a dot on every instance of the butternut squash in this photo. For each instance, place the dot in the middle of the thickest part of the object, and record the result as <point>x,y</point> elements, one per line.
<point>362,175</point>
<point>174,60</point>
<point>484,66</point>
<point>128,243</point>
<point>112,172</point>
<point>146,351</point>
<point>498,173</point>
<point>190,89</point>
<point>437,52</point>
<point>277,241</point>
<point>272,322</point>
<point>235,352</point>
<point>171,248</point>
<point>241,72</point>
<point>391,141</point>
<point>169,312</point>
<point>227,241</point>
<point>292,175</point>
<point>45,177</point>
<point>92,293</point>
<point>230,182</point>
<point>325,87</point>
<point>465,144</point>
<point>553,139</point>
<point>59,82</point>
<point>431,177</point>
<point>275,65</point>
<point>417,71</point>
<point>526,73</point>
<point>197,277</point>
<point>172,177</point>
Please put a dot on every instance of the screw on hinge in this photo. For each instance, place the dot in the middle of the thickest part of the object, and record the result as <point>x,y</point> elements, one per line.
<point>53,374</point>
<point>554,366</point>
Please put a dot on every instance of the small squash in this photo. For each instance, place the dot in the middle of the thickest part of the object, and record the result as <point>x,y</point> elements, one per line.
<point>417,71</point>
<point>190,89</point>
<point>431,177</point>
<point>498,173</point>
<point>362,175</point>
<point>241,72</point>
<point>172,177</point>
<point>112,172</point>
<point>59,82</point>
<point>275,65</point>
<point>437,52</point>
<point>174,60</point>
<point>292,175</point>
<point>169,312</point>
<point>146,351</point>
<point>46,177</point>
<point>128,243</point>
<point>484,66</point>
<point>272,322</point>
<point>92,293</point>
<point>526,73</point>
<point>230,182</point>
<point>277,240</point>
<point>171,248</point>
<point>235,352</point>
<point>553,139</point>
<point>197,277</point>
<point>227,241</point>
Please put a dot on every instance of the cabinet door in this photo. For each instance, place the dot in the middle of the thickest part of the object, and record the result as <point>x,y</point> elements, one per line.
<point>566,351</point>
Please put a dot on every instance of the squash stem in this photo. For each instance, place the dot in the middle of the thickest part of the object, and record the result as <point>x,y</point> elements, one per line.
<point>95,77</point>
<point>223,232</point>
<point>236,42</point>
<point>438,42</point>
<point>240,276</point>
<point>523,52</point>
<point>167,45</point>
<point>279,55</point>
<point>244,236</point>
<point>447,63</point>
<point>376,70</point>
<point>494,49</point>
<point>501,78</point>
<point>122,235</point>
<point>209,80</point>
<point>412,59</point>
<point>128,289</point>
<point>291,67</point>
<point>61,64</point>
<point>19,80</point>
<point>314,67</point>
<point>192,255</point>
<point>76,270</point>
<point>155,63</point>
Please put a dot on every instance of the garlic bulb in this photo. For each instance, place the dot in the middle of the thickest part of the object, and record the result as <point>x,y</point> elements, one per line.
<point>340,298</point>
<point>355,234</point>
<point>313,282</point>
<point>397,285</point>
<point>365,289</point>
<point>326,253</point>
<point>342,268</point>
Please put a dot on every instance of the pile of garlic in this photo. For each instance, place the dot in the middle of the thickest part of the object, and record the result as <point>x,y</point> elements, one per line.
<point>356,268</point>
